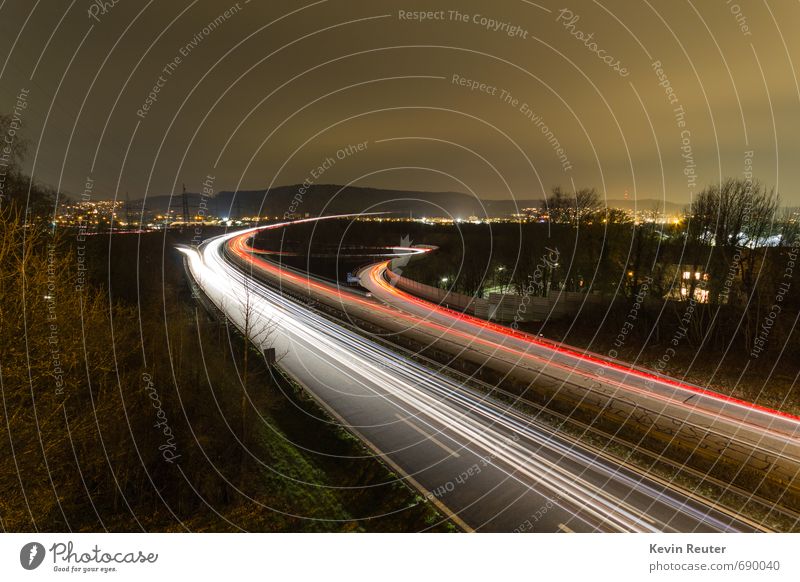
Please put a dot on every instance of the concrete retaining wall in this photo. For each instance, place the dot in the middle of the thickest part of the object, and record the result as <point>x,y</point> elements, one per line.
<point>498,307</point>
<point>450,299</point>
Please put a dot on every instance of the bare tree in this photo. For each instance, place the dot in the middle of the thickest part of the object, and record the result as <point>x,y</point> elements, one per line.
<point>258,331</point>
<point>581,206</point>
<point>728,226</point>
<point>727,222</point>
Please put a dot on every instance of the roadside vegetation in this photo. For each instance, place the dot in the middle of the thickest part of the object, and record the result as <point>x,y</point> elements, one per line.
<point>121,402</point>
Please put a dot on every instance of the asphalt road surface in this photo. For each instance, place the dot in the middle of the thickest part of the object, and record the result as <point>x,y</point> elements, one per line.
<point>487,467</point>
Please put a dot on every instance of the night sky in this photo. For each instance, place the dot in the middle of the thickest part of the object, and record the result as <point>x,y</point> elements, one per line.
<point>500,99</point>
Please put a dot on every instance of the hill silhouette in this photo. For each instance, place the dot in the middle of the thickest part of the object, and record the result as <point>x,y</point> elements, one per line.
<point>329,199</point>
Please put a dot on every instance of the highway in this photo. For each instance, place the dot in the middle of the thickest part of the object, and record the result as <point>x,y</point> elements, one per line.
<point>486,466</point>
<point>776,433</point>
<point>718,429</point>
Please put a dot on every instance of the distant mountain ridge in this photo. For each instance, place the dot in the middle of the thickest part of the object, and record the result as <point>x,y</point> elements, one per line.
<point>315,200</point>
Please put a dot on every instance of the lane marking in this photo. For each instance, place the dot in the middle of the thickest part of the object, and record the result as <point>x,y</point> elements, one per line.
<point>564,528</point>
<point>444,508</point>
<point>427,436</point>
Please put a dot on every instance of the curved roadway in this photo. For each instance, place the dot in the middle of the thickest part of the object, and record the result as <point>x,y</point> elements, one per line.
<point>487,467</point>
